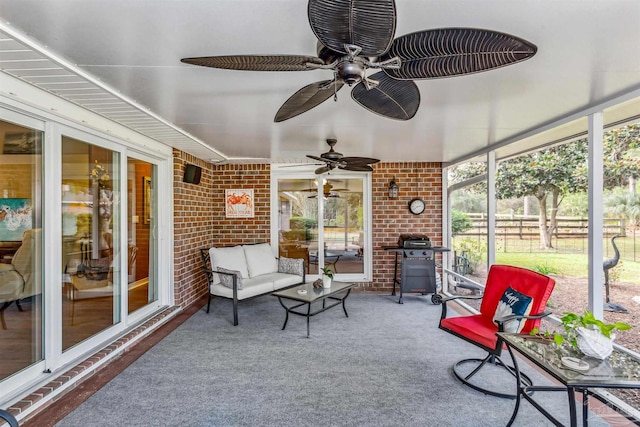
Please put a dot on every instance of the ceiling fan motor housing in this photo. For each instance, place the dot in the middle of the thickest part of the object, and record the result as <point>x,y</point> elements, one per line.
<point>332,154</point>
<point>351,71</point>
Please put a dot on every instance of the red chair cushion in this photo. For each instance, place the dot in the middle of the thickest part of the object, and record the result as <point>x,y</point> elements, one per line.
<point>477,328</point>
<point>535,285</point>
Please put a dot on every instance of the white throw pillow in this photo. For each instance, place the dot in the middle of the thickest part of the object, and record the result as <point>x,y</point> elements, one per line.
<point>260,259</point>
<point>230,258</point>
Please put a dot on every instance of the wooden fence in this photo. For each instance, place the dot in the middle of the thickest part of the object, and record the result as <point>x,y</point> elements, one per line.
<point>528,227</point>
<point>522,234</point>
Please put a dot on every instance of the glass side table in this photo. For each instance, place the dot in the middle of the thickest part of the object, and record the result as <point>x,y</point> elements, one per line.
<point>619,370</point>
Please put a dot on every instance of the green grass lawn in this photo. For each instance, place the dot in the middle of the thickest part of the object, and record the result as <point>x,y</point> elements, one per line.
<point>567,264</point>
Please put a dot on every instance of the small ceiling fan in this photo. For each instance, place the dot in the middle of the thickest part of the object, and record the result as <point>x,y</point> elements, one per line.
<point>358,35</point>
<point>334,160</point>
<point>328,191</point>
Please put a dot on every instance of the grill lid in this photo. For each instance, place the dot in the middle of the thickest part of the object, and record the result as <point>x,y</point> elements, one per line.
<point>414,241</point>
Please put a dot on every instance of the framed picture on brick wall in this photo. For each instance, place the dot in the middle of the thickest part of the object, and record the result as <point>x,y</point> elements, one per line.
<point>239,203</point>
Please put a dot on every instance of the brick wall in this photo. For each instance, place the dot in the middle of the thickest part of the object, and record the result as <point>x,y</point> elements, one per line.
<point>200,220</point>
<point>234,231</point>
<point>194,209</point>
<point>392,217</point>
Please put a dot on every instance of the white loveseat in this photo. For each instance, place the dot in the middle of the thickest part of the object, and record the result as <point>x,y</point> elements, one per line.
<point>246,271</point>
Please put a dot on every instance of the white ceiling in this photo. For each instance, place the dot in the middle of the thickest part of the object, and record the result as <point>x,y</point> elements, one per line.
<point>588,54</point>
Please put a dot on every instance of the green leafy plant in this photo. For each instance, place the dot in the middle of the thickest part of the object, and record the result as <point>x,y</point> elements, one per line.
<point>573,321</point>
<point>475,251</point>
<point>326,271</point>
<point>460,222</point>
<point>545,269</point>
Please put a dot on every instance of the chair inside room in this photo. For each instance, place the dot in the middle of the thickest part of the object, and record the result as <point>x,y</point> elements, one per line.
<point>21,278</point>
<point>330,259</point>
<point>514,301</point>
<point>98,284</point>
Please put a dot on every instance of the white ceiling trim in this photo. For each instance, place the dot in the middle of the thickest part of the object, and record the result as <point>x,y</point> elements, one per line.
<point>32,63</point>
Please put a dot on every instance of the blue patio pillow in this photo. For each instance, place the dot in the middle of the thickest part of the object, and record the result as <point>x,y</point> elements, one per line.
<point>513,302</point>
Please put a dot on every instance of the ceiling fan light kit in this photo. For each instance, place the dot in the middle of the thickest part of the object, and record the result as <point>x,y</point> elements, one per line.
<point>358,35</point>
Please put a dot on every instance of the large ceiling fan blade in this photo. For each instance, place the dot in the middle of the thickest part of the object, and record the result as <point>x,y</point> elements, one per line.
<point>257,62</point>
<point>356,168</point>
<point>368,24</point>
<point>396,99</point>
<point>447,52</point>
<point>359,160</point>
<point>307,98</point>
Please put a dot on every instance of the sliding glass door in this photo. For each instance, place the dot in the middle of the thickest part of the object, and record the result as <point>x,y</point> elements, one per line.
<point>90,240</point>
<point>21,302</point>
<point>323,219</point>
<point>141,227</point>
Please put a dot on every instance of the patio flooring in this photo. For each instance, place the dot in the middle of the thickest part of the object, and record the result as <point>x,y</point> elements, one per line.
<point>387,364</point>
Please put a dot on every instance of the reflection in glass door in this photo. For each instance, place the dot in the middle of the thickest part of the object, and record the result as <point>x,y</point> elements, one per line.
<point>339,242</point>
<point>90,240</point>
<point>141,247</point>
<point>343,225</point>
<point>20,248</point>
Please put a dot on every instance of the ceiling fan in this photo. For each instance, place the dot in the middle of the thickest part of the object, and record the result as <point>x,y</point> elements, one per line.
<point>358,35</point>
<point>334,160</point>
<point>328,191</point>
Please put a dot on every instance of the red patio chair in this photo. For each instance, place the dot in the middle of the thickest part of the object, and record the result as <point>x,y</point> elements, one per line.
<point>480,329</point>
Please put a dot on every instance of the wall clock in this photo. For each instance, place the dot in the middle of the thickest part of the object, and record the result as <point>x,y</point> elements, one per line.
<point>416,206</point>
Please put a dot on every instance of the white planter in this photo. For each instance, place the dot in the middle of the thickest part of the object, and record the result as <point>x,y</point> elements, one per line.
<point>592,343</point>
<point>326,282</point>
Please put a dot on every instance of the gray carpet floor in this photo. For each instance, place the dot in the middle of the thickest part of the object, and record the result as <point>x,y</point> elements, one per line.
<point>385,365</point>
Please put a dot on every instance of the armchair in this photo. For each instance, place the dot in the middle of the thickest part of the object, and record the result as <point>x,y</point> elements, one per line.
<point>510,295</point>
<point>22,278</point>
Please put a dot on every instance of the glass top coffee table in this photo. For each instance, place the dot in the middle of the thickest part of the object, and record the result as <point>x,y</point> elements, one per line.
<point>306,294</point>
<point>619,370</point>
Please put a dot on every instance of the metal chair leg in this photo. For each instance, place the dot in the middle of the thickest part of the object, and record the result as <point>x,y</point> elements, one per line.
<point>491,360</point>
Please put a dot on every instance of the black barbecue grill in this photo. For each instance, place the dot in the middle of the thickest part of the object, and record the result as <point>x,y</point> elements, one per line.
<point>416,257</point>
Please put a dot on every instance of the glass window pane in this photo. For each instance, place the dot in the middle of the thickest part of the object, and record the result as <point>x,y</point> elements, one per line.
<point>20,248</point>
<point>298,224</point>
<point>142,288</point>
<point>90,240</point>
<point>344,225</point>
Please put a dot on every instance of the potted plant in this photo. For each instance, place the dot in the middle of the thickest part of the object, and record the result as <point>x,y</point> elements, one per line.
<point>327,277</point>
<point>590,335</point>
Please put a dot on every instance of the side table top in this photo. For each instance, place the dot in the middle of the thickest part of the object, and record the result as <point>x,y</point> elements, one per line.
<point>312,294</point>
<point>619,370</point>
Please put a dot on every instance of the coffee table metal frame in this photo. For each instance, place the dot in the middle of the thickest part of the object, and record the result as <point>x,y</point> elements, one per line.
<point>620,371</point>
<point>313,295</point>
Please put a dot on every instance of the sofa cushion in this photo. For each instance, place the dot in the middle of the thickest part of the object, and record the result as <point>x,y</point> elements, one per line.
<point>260,259</point>
<point>250,288</point>
<point>230,258</point>
<point>282,280</point>
<point>227,280</point>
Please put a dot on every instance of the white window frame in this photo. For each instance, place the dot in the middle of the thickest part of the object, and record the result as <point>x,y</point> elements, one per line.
<point>304,172</point>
